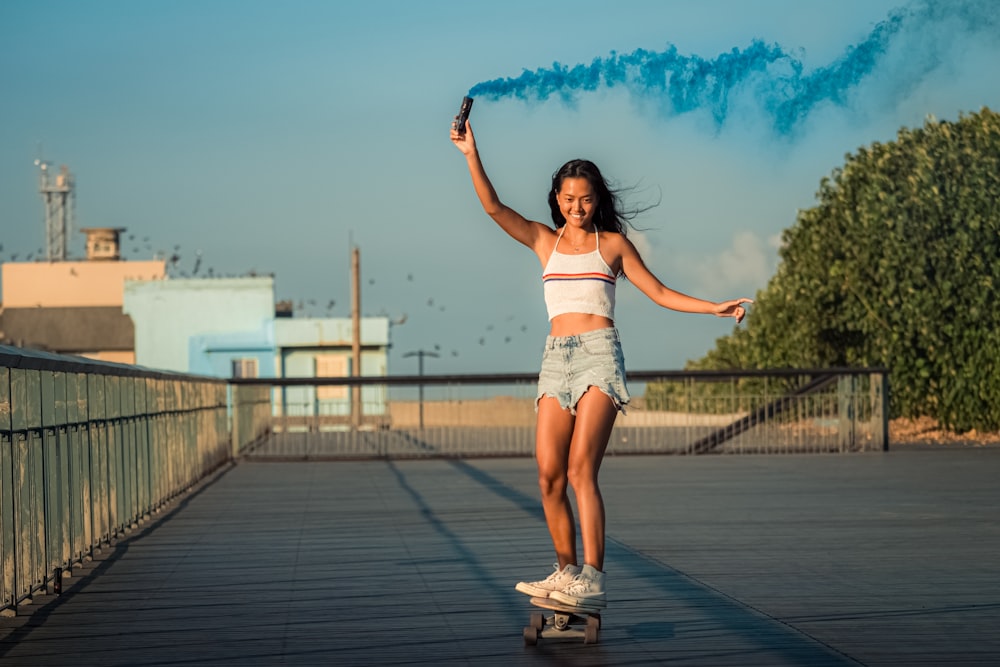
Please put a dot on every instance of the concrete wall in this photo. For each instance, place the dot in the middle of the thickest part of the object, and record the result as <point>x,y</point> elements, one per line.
<point>73,284</point>
<point>120,357</point>
<point>327,332</point>
<point>214,354</point>
<point>169,313</point>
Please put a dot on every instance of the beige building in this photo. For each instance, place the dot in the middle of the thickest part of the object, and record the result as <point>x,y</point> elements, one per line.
<point>75,307</point>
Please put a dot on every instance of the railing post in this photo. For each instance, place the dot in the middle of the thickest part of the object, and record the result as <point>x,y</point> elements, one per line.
<point>8,594</point>
<point>883,404</point>
<point>234,419</point>
<point>845,413</point>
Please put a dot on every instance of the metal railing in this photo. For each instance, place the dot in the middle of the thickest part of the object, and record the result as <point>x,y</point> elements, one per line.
<point>672,412</point>
<point>87,451</point>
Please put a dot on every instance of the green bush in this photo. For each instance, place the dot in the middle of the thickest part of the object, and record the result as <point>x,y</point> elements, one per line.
<point>897,266</point>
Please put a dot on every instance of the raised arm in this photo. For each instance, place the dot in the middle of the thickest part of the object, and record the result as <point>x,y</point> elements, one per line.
<point>640,276</point>
<point>517,226</point>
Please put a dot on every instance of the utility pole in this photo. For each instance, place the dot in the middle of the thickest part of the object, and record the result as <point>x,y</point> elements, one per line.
<point>420,354</point>
<point>356,335</point>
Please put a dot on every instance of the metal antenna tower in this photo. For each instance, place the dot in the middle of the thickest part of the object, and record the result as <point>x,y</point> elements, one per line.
<point>57,197</point>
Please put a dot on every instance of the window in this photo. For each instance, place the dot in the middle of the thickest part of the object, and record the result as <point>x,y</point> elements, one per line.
<point>245,368</point>
<point>331,365</point>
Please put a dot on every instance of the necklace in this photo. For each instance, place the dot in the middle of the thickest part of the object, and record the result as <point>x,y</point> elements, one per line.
<point>578,246</point>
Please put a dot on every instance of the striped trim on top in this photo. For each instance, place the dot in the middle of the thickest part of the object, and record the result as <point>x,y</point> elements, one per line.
<point>578,276</point>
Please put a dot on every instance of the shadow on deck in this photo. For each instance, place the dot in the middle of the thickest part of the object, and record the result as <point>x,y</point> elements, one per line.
<point>872,559</point>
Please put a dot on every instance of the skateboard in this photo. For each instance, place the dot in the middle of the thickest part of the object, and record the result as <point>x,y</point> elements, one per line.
<point>565,621</point>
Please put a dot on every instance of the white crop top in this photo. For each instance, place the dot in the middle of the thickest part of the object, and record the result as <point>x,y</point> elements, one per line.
<point>579,283</point>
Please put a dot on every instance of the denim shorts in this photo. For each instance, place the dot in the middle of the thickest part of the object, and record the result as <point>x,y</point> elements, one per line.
<point>573,364</point>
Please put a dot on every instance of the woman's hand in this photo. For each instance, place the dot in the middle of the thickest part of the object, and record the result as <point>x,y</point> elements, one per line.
<point>732,308</point>
<point>465,142</point>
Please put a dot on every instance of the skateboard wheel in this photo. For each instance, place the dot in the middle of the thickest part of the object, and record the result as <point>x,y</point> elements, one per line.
<point>590,635</point>
<point>530,636</point>
<point>537,621</point>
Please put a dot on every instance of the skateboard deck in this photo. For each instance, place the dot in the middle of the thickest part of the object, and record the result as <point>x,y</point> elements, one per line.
<point>565,621</point>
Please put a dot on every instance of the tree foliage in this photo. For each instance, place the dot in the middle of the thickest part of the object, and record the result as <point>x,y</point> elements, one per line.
<point>897,266</point>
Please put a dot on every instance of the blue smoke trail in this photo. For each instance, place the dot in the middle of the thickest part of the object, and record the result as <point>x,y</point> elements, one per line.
<point>681,84</point>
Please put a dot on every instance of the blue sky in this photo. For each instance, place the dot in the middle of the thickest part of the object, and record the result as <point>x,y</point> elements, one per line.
<point>270,136</point>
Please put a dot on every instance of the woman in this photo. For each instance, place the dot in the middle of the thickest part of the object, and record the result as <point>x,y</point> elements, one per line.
<point>581,386</point>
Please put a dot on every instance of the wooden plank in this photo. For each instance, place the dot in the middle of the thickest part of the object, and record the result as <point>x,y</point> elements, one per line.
<point>881,559</point>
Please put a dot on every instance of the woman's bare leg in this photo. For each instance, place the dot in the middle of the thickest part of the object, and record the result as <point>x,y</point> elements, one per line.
<point>595,417</point>
<point>553,434</point>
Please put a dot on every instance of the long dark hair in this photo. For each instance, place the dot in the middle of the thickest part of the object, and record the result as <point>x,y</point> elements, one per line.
<point>611,215</point>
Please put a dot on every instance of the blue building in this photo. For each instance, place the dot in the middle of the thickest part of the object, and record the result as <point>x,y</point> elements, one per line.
<point>172,316</point>
<point>228,327</point>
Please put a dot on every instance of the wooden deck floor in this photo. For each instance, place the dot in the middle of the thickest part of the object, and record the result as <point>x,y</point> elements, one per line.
<point>875,559</point>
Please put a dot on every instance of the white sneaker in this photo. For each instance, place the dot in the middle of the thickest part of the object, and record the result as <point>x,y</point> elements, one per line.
<point>556,581</point>
<point>586,590</point>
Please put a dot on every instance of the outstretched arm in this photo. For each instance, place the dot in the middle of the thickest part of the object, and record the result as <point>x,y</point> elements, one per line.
<point>635,270</point>
<point>512,222</point>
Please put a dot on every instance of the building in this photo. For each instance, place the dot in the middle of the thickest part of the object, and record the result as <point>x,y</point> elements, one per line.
<point>75,307</point>
<point>311,347</point>
<point>229,327</point>
<point>173,317</point>
<point>131,312</point>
